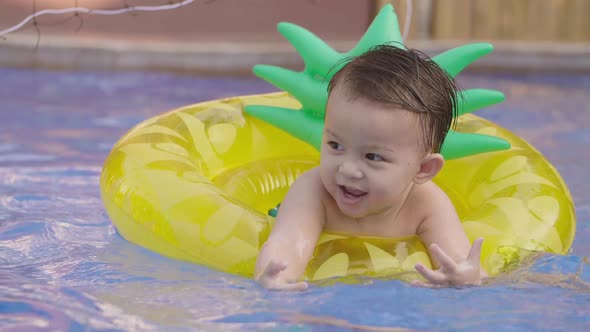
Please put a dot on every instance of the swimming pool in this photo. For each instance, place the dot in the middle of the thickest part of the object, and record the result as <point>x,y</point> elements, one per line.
<point>64,267</point>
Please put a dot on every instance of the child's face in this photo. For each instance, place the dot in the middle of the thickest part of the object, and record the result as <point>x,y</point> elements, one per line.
<point>370,155</point>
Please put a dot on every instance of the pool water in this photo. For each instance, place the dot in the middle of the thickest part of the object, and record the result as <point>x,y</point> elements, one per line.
<point>64,267</point>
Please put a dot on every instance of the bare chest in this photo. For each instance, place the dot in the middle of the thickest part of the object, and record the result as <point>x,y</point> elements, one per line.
<point>404,224</point>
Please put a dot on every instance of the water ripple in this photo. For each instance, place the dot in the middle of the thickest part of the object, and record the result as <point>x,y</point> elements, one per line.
<point>27,306</point>
<point>63,266</point>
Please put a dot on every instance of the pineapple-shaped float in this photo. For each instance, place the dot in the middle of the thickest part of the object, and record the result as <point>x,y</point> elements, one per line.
<point>195,184</point>
<point>309,87</point>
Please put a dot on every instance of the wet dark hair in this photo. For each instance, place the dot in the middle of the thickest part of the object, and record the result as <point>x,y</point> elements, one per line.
<point>406,79</point>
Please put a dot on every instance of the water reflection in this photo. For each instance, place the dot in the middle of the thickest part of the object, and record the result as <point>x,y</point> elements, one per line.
<point>62,265</point>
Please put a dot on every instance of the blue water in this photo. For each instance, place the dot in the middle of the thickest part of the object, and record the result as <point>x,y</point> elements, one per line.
<point>63,266</point>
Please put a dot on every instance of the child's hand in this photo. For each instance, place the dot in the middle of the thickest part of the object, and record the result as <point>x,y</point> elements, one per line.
<point>451,273</point>
<point>271,278</point>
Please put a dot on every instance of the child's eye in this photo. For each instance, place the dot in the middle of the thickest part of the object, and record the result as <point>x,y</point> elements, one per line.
<point>374,157</point>
<point>335,146</point>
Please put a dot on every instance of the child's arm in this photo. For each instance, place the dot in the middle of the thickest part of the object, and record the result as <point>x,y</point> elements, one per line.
<point>284,256</point>
<point>441,232</point>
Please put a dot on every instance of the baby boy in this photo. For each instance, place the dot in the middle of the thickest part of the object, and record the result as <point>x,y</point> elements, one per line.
<point>387,115</point>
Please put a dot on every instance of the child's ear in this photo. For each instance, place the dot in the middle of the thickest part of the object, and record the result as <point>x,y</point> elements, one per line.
<point>429,167</point>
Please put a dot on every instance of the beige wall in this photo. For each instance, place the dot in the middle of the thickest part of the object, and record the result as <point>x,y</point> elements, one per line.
<point>526,20</point>
<point>255,20</point>
<point>206,20</point>
<point>531,20</point>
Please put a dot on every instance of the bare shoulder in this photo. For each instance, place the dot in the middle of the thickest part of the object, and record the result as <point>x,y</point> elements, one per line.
<point>436,210</point>
<point>429,199</point>
<point>310,175</point>
<point>440,223</point>
<point>309,182</point>
<point>308,191</point>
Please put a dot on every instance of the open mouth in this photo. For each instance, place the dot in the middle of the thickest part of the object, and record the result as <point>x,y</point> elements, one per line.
<point>351,193</point>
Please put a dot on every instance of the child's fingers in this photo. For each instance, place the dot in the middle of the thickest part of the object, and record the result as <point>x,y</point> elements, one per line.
<point>270,278</point>
<point>441,257</point>
<point>434,277</point>
<point>295,286</point>
<point>273,268</point>
<point>419,283</point>
<point>475,251</point>
<point>281,285</point>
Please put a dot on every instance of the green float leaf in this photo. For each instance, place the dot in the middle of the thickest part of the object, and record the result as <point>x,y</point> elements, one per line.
<point>322,62</point>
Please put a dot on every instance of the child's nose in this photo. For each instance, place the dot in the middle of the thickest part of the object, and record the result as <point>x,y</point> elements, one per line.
<point>350,169</point>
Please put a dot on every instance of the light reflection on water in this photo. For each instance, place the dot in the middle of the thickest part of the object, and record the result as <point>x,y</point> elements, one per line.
<point>63,267</point>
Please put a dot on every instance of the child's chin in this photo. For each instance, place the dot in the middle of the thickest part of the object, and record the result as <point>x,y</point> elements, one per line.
<point>352,212</point>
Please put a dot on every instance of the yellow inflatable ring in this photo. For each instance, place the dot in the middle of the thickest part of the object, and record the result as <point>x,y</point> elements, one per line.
<point>195,184</point>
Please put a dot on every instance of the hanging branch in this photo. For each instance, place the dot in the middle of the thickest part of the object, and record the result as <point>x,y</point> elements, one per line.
<point>94,11</point>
